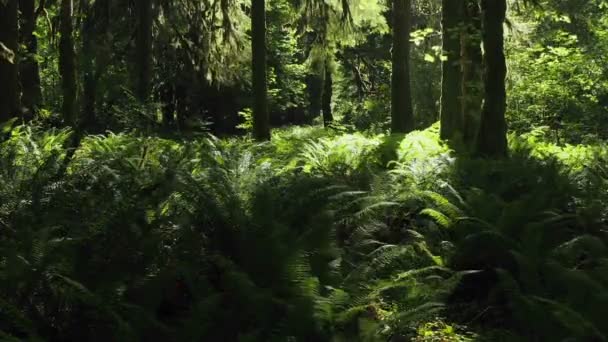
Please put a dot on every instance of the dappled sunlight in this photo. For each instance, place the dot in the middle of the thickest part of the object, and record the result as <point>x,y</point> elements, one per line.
<point>303,171</point>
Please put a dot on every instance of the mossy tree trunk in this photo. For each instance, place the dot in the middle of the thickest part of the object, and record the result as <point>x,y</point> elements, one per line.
<point>9,82</point>
<point>67,66</point>
<point>401,95</point>
<point>261,124</point>
<point>452,118</point>
<point>492,136</point>
<point>29,71</point>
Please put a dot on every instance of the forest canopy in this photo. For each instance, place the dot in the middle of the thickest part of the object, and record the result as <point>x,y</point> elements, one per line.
<point>303,170</point>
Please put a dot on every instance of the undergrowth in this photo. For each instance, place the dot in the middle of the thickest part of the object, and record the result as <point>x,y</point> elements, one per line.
<point>315,236</point>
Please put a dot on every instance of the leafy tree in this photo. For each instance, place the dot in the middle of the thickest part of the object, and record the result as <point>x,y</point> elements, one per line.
<point>556,81</point>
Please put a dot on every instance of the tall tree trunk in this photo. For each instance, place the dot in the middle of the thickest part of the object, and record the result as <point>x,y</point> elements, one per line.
<point>143,49</point>
<point>452,120</point>
<point>402,113</point>
<point>67,67</point>
<point>29,71</point>
<point>96,54</point>
<point>492,137</point>
<point>472,70</point>
<point>315,85</point>
<point>9,75</point>
<point>88,72</point>
<point>261,125</point>
<point>328,90</point>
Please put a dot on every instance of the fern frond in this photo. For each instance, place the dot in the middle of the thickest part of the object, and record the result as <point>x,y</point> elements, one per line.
<point>440,218</point>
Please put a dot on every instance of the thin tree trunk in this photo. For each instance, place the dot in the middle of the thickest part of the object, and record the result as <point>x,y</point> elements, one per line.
<point>28,66</point>
<point>328,91</point>
<point>402,113</point>
<point>261,125</point>
<point>67,67</point>
<point>9,76</point>
<point>472,71</point>
<point>492,137</point>
<point>452,120</point>
<point>143,49</point>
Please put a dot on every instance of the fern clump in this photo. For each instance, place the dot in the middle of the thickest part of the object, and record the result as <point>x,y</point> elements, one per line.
<point>311,237</point>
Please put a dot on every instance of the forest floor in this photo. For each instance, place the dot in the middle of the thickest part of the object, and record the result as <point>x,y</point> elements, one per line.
<point>317,235</point>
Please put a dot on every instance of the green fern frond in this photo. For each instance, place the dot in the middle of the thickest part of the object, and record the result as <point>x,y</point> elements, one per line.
<point>571,319</point>
<point>443,204</point>
<point>367,210</point>
<point>440,218</point>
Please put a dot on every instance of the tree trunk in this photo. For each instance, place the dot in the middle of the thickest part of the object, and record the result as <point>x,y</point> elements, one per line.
<point>328,91</point>
<point>261,125</point>
<point>315,85</point>
<point>401,95</point>
<point>143,49</point>
<point>472,70</point>
<point>452,120</point>
<point>9,76</point>
<point>28,66</point>
<point>96,52</point>
<point>67,67</point>
<point>88,72</point>
<point>492,137</point>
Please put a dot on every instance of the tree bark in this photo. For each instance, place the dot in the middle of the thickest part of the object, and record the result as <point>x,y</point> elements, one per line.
<point>452,119</point>
<point>9,76</point>
<point>143,49</point>
<point>29,71</point>
<point>316,85</point>
<point>261,125</point>
<point>492,137</point>
<point>472,71</point>
<point>401,95</point>
<point>328,90</point>
<point>67,67</point>
<point>88,72</point>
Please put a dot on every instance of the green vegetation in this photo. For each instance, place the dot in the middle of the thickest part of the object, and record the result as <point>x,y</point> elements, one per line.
<point>276,170</point>
<point>312,236</point>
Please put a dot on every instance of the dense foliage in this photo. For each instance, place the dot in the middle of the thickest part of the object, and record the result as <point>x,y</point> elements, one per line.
<point>280,170</point>
<point>312,236</point>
